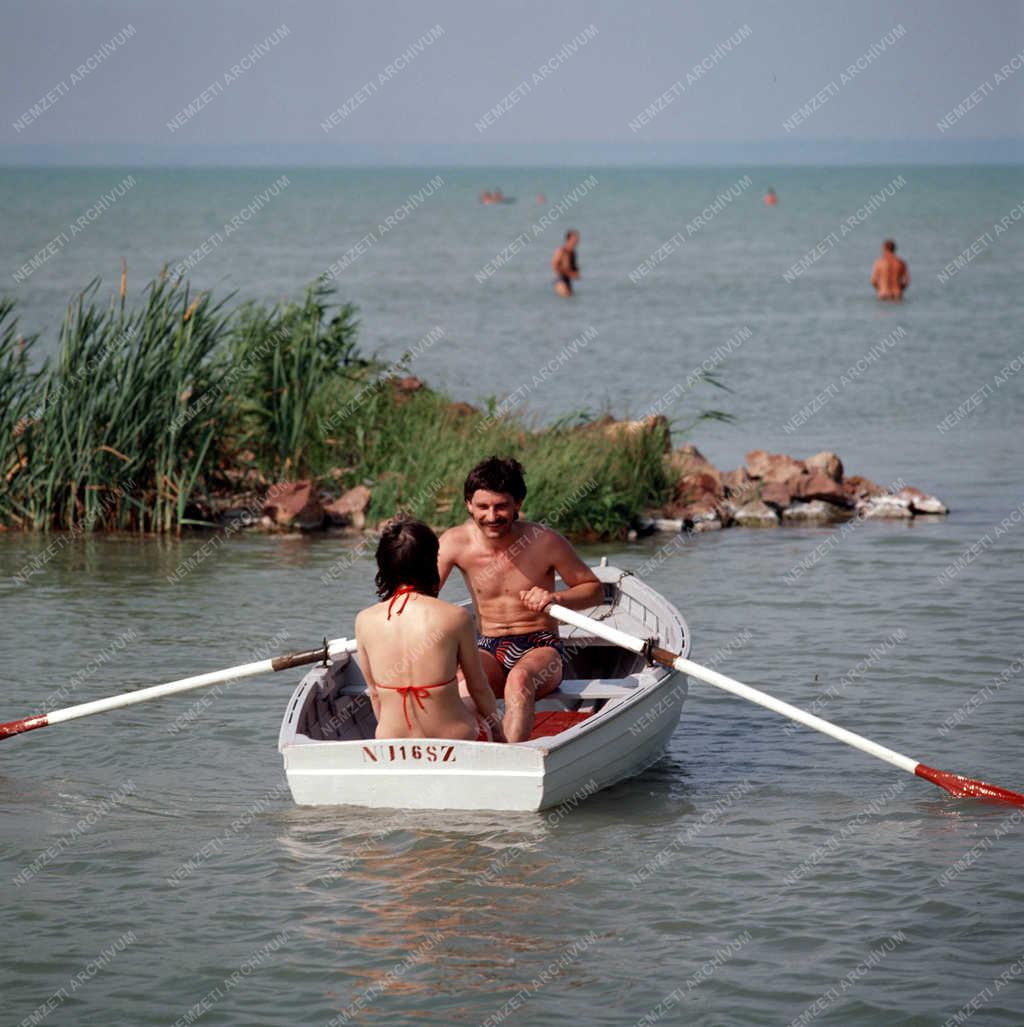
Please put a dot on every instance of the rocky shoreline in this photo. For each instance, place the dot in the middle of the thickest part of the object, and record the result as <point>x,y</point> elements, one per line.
<point>769,490</point>
<point>772,489</point>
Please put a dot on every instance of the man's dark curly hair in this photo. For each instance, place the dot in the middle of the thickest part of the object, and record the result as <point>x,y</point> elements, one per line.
<point>407,555</point>
<point>496,474</point>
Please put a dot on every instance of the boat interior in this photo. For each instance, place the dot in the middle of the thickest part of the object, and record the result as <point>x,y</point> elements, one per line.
<point>597,673</point>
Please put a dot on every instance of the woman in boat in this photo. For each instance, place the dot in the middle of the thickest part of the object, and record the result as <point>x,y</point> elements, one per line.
<point>412,646</point>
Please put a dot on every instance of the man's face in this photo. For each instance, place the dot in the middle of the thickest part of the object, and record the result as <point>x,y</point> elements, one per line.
<point>493,512</point>
<point>570,242</point>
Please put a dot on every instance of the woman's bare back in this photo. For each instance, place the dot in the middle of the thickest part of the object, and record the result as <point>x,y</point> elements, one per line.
<point>410,662</point>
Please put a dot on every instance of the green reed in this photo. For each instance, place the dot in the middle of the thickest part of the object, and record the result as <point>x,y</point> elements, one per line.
<point>290,359</point>
<point>121,423</point>
<point>19,387</point>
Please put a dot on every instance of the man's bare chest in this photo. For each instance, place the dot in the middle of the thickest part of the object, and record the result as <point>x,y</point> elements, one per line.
<point>504,573</point>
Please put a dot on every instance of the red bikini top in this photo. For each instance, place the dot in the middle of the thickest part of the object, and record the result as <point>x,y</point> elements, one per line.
<point>418,692</point>
<point>405,591</point>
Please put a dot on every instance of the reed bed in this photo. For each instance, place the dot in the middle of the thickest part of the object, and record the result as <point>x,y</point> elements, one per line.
<point>150,414</point>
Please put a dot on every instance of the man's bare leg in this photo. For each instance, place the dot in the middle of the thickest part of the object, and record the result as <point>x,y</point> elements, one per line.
<point>537,674</point>
<point>494,672</point>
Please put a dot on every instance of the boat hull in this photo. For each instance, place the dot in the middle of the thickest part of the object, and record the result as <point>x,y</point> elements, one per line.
<point>446,774</point>
<point>608,756</point>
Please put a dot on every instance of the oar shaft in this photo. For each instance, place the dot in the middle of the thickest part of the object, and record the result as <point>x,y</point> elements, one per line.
<point>728,684</point>
<point>955,784</point>
<point>712,677</point>
<point>113,702</point>
<point>596,627</point>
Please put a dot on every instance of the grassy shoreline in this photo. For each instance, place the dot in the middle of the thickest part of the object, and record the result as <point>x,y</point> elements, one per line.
<point>161,416</point>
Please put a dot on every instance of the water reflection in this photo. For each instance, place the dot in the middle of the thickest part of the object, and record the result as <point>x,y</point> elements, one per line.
<point>443,895</point>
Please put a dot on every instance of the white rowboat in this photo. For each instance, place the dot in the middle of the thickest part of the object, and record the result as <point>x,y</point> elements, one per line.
<point>610,719</point>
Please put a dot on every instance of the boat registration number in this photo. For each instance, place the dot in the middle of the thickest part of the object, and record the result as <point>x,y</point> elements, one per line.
<point>403,753</point>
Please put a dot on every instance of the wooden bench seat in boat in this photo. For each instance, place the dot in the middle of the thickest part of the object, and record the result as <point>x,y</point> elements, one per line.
<point>592,689</point>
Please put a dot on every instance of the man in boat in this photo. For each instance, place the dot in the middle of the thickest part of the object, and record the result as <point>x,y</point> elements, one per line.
<point>563,263</point>
<point>509,567</point>
<point>890,276</point>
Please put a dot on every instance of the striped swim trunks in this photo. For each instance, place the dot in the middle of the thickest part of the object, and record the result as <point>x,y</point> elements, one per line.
<point>508,650</point>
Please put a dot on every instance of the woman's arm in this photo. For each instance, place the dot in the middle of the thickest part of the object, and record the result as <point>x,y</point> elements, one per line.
<point>364,666</point>
<point>476,680</point>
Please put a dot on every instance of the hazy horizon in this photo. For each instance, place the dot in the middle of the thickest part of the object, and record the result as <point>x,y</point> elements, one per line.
<point>838,153</point>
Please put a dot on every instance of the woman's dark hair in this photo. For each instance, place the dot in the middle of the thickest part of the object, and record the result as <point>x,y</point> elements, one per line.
<point>407,555</point>
<point>496,474</point>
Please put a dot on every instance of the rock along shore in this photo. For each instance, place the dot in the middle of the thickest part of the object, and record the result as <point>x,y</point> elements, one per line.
<point>773,489</point>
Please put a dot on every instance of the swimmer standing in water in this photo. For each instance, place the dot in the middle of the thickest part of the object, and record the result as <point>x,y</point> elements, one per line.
<point>563,263</point>
<point>890,276</point>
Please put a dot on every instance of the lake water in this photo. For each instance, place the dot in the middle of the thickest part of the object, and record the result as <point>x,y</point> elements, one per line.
<point>154,867</point>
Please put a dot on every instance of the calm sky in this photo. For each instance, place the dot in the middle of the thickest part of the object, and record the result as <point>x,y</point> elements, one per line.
<point>314,58</point>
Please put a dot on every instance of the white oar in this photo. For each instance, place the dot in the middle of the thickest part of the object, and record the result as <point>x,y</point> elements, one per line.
<point>244,670</point>
<point>962,787</point>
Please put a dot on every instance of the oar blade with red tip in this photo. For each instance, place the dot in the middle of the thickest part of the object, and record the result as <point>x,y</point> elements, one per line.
<point>18,727</point>
<point>968,787</point>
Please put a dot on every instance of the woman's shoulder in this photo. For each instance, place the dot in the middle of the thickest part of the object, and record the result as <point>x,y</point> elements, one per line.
<point>369,615</point>
<point>436,609</point>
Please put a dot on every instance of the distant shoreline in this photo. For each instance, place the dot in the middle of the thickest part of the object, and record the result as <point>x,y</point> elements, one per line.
<point>1005,151</point>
